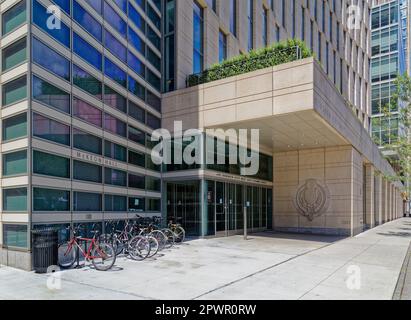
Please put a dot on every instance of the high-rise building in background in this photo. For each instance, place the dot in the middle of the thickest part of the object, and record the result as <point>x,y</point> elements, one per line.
<point>390,58</point>
<point>82,96</point>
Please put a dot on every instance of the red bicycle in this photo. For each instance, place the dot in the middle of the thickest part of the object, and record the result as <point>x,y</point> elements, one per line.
<point>101,254</point>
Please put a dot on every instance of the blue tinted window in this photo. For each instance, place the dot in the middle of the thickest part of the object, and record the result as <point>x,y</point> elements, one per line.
<point>134,16</point>
<point>153,37</point>
<point>115,46</point>
<point>96,4</point>
<point>115,20</point>
<point>87,82</point>
<point>115,73</point>
<point>50,60</point>
<point>87,51</point>
<point>153,101</point>
<point>152,14</point>
<point>136,88</point>
<point>136,41</point>
<point>63,4</point>
<point>87,21</point>
<point>135,64</point>
<point>153,80</point>
<point>40,17</point>
<point>122,5</point>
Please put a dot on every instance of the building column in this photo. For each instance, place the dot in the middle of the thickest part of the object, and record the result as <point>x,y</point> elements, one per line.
<point>384,201</point>
<point>369,197</point>
<point>378,199</point>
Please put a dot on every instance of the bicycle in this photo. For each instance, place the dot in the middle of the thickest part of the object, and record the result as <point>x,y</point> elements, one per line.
<point>101,254</point>
<point>179,232</point>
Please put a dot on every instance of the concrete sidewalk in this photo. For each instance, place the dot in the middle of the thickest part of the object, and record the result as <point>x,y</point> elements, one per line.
<point>268,266</point>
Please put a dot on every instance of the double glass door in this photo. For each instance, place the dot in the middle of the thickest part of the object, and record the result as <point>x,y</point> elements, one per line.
<point>229,208</point>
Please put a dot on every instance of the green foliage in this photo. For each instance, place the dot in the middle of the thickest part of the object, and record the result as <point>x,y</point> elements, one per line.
<point>399,110</point>
<point>282,52</point>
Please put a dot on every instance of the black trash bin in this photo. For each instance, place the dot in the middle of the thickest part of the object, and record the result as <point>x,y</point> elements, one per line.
<point>45,249</point>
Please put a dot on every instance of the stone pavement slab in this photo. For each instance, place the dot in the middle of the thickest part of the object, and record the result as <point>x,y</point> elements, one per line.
<point>268,266</point>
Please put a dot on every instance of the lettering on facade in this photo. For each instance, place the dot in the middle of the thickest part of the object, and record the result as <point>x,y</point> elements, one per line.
<point>96,159</point>
<point>312,199</point>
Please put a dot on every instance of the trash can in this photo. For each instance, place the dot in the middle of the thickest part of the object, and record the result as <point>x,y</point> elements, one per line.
<point>45,249</point>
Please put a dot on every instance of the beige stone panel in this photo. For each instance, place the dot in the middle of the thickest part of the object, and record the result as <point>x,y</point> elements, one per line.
<point>318,222</point>
<point>220,91</point>
<point>340,189</point>
<point>338,173</point>
<point>284,77</point>
<point>254,83</point>
<point>300,101</point>
<point>286,221</point>
<point>254,109</point>
<point>342,222</point>
<point>284,206</point>
<point>15,217</point>
<point>219,116</point>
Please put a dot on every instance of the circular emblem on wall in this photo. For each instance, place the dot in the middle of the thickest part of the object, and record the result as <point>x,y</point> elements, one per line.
<point>312,199</point>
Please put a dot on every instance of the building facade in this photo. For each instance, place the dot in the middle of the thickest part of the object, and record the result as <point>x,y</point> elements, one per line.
<point>314,117</point>
<point>82,93</point>
<point>390,57</point>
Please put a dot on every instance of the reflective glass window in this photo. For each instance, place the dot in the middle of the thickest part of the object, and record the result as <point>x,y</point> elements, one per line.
<point>50,130</point>
<point>51,164</point>
<point>87,112</point>
<point>50,95</point>
<point>51,200</point>
<point>87,142</point>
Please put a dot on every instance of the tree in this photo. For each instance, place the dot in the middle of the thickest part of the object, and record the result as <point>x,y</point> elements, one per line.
<point>396,126</point>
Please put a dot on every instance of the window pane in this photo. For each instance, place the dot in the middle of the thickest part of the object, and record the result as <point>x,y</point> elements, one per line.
<point>14,54</point>
<point>15,235</point>
<point>63,4</point>
<point>115,177</point>
<point>114,203</point>
<point>136,88</point>
<point>153,205</point>
<point>136,204</point>
<point>87,21</point>
<point>136,112</point>
<point>153,101</point>
<point>41,19</point>
<point>136,18</point>
<point>50,60</point>
<point>87,112</point>
<point>153,122</point>
<point>51,200</point>
<point>115,46</point>
<point>115,151</point>
<point>86,51</point>
<point>15,127</point>
<point>136,182</point>
<point>114,99</point>
<point>50,95</point>
<point>14,91</point>
<point>96,5</point>
<point>87,82</point>
<point>87,142</point>
<point>136,65</point>
<point>115,20</point>
<point>50,130</point>
<point>14,17</point>
<point>136,41</point>
<point>15,163</point>
<point>83,201</point>
<point>15,199</point>
<point>51,165</point>
<point>115,72</point>
<point>114,125</point>
<point>86,172</point>
<point>136,135</point>
<point>153,184</point>
<point>136,158</point>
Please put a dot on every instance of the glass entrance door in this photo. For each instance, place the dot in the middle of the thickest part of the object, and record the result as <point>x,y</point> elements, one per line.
<point>220,207</point>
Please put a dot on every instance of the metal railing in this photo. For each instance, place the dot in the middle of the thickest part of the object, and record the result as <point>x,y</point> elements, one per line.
<point>246,65</point>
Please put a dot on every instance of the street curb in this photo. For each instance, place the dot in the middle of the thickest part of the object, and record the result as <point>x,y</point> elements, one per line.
<point>404,274</point>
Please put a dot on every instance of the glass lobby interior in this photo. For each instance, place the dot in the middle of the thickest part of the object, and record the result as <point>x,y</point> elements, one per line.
<point>208,208</point>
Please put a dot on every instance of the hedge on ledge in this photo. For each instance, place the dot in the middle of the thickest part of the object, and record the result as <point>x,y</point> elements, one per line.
<point>282,52</point>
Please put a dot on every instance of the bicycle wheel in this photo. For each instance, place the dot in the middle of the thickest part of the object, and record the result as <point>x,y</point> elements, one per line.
<point>161,238</point>
<point>66,256</point>
<point>180,235</point>
<point>139,248</point>
<point>170,238</point>
<point>154,246</point>
<point>104,256</point>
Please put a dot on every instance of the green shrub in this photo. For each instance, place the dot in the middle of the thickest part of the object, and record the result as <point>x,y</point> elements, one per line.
<point>282,52</point>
